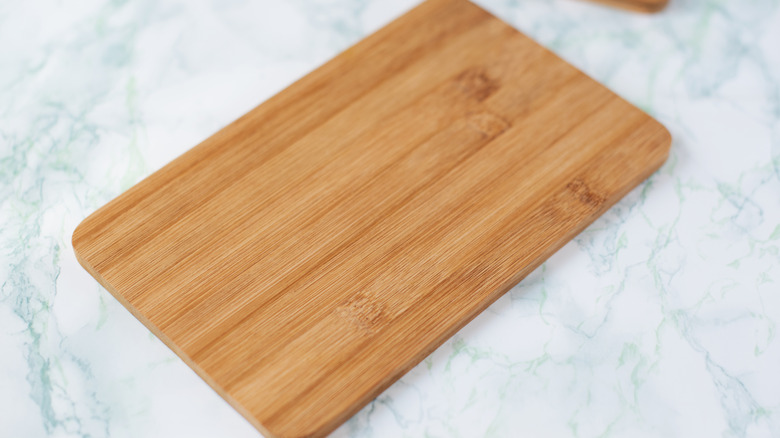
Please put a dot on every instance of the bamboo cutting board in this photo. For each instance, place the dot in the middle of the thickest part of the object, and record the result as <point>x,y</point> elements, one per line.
<point>307,255</point>
<point>637,5</point>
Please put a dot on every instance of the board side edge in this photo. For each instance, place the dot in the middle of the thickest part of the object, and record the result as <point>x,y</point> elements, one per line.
<point>170,344</point>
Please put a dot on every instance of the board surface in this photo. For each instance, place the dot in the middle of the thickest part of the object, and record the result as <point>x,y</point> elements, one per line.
<point>307,255</point>
<point>637,5</point>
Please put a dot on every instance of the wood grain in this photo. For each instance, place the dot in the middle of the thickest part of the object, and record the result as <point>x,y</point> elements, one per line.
<point>307,255</point>
<point>637,5</point>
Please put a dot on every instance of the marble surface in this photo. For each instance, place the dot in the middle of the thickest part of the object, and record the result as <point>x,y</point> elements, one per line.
<point>659,320</point>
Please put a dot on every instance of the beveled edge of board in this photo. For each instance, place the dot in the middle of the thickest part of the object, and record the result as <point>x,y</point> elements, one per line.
<point>170,344</point>
<point>650,169</point>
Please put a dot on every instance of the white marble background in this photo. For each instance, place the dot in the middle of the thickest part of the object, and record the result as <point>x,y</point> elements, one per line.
<point>659,320</point>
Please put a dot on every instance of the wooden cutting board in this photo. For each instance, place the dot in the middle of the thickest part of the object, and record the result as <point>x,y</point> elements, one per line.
<point>307,255</point>
<point>637,5</point>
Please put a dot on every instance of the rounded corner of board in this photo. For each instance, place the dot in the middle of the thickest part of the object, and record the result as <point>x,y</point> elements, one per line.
<point>665,142</point>
<point>76,237</point>
<point>78,242</point>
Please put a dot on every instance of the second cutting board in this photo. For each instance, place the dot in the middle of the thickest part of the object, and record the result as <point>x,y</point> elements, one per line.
<point>637,5</point>
<point>307,255</point>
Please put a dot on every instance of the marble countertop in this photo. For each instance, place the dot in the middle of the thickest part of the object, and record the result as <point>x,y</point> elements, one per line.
<point>661,319</point>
